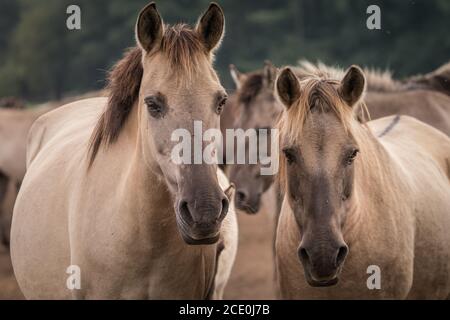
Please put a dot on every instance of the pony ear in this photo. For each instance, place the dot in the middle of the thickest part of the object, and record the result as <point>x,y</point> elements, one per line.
<point>211,26</point>
<point>270,73</point>
<point>237,76</point>
<point>352,85</point>
<point>288,87</point>
<point>149,28</point>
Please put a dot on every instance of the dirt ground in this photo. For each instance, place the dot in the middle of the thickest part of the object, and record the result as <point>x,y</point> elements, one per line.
<point>253,273</point>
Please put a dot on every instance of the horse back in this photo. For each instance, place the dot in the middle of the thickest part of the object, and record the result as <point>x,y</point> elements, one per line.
<point>430,107</point>
<point>413,141</point>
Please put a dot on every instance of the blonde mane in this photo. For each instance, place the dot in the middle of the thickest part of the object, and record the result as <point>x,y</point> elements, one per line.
<point>318,91</point>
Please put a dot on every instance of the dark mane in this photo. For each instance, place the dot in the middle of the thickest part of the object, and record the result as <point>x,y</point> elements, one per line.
<point>124,82</point>
<point>182,48</point>
<point>251,87</point>
<point>438,80</point>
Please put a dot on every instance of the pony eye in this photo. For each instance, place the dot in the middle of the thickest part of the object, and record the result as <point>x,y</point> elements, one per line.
<point>352,156</point>
<point>221,105</point>
<point>155,107</point>
<point>289,155</point>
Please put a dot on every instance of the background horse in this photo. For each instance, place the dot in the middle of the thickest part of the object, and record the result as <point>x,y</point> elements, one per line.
<point>14,127</point>
<point>254,108</point>
<point>15,123</point>
<point>359,197</point>
<point>102,192</point>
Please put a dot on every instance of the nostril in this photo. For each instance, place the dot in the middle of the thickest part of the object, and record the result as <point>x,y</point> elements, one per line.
<point>225,206</point>
<point>303,255</point>
<point>241,195</point>
<point>342,254</point>
<point>184,211</point>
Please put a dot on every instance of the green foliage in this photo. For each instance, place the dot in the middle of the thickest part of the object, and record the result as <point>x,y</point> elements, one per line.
<point>41,59</point>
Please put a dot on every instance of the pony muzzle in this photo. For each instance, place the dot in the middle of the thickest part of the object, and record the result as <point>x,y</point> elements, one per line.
<point>248,202</point>
<point>200,224</point>
<point>322,267</point>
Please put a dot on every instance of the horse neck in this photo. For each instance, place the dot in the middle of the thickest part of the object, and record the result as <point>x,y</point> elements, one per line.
<point>148,194</point>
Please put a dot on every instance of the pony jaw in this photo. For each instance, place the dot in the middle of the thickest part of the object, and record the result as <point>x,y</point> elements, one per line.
<point>194,240</point>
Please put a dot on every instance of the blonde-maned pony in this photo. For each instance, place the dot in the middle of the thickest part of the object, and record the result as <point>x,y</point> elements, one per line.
<point>359,197</point>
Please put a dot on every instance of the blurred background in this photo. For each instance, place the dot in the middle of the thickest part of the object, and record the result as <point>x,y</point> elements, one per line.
<point>40,59</point>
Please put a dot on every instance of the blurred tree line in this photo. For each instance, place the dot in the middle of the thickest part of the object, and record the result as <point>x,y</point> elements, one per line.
<point>41,59</point>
